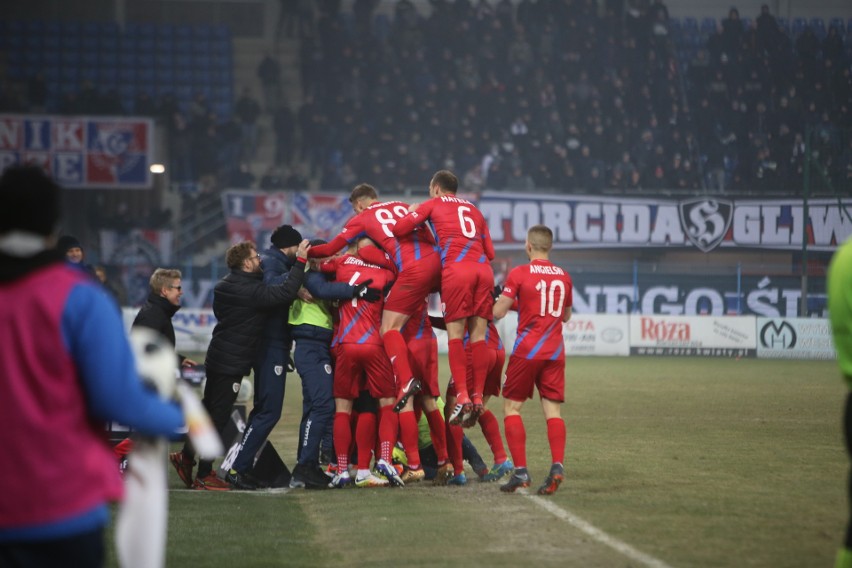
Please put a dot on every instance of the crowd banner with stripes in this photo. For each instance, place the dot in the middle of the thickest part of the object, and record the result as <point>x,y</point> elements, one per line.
<point>81,151</point>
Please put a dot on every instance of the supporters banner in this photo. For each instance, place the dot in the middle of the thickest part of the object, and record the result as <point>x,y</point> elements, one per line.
<point>253,215</point>
<point>704,223</point>
<point>693,336</point>
<point>794,338</point>
<point>81,151</point>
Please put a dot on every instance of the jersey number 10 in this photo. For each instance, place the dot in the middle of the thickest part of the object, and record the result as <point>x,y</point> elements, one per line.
<point>552,297</point>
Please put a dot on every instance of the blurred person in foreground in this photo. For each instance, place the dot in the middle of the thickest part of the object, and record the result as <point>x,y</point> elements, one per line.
<point>67,368</point>
<point>839,285</point>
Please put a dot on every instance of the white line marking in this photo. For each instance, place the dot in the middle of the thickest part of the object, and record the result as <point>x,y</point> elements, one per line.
<point>596,533</point>
<point>259,492</point>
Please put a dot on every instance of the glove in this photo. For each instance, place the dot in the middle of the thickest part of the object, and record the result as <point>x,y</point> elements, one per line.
<point>363,292</point>
<point>291,366</point>
<point>495,293</point>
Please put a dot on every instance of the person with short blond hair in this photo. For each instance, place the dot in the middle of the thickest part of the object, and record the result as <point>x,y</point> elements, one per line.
<point>162,304</point>
<point>544,295</point>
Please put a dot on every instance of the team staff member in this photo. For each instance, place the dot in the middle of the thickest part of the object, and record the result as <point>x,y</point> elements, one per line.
<point>312,329</point>
<point>840,314</point>
<point>162,304</point>
<point>241,304</point>
<point>66,369</point>
<point>544,294</point>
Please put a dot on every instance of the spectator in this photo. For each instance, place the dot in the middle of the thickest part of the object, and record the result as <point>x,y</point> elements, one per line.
<point>115,289</point>
<point>247,110</point>
<point>269,73</point>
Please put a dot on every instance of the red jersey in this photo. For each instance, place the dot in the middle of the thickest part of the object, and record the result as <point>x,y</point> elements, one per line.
<point>359,320</point>
<point>376,222</point>
<point>459,226</point>
<point>543,291</point>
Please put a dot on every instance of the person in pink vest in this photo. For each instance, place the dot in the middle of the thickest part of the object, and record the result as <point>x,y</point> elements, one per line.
<point>67,369</point>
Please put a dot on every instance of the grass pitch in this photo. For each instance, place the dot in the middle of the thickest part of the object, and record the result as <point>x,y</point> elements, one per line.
<point>688,462</point>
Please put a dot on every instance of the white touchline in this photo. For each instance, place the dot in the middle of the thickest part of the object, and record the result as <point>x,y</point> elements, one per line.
<point>597,534</point>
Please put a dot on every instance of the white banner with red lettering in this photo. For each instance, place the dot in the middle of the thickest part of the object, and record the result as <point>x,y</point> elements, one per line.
<point>693,336</point>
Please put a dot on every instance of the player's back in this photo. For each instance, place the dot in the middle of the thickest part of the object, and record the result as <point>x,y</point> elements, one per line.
<point>377,222</point>
<point>544,293</point>
<point>359,320</point>
<point>460,229</point>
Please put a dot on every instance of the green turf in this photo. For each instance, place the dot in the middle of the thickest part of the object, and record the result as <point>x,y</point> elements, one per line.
<point>696,462</point>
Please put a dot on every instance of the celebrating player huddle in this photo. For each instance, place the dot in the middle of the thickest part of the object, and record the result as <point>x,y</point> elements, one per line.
<point>385,371</point>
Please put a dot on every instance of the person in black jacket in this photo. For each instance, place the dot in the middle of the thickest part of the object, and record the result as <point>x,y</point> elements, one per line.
<point>162,304</point>
<point>242,303</point>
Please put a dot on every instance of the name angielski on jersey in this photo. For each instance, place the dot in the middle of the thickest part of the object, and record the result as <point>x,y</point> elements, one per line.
<point>704,222</point>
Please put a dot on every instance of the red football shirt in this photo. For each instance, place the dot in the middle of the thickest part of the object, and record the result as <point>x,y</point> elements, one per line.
<point>359,320</point>
<point>459,226</point>
<point>543,291</point>
<point>376,222</point>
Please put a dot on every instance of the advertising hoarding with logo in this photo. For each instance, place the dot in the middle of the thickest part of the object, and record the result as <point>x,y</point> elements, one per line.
<point>597,334</point>
<point>692,336</point>
<point>794,338</point>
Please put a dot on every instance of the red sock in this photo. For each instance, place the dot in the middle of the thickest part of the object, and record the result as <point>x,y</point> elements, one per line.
<point>438,432</point>
<point>458,369</point>
<point>516,439</point>
<point>342,440</point>
<point>398,354</point>
<point>491,431</point>
<point>388,428</point>
<point>454,447</point>
<point>409,434</point>
<point>481,360</point>
<point>365,438</point>
<point>556,437</point>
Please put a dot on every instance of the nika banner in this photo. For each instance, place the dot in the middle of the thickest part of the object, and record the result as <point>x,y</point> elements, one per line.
<point>81,151</point>
<point>703,222</point>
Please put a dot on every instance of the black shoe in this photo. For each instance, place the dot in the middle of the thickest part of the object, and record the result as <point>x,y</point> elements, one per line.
<point>551,484</point>
<point>409,389</point>
<point>519,479</point>
<point>242,481</point>
<point>309,477</point>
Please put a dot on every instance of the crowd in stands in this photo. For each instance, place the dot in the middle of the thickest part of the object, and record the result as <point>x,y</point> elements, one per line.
<point>559,95</point>
<point>565,94</point>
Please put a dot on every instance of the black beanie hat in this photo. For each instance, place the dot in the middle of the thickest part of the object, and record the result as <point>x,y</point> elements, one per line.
<point>285,236</point>
<point>29,201</point>
<point>67,242</point>
<point>318,242</point>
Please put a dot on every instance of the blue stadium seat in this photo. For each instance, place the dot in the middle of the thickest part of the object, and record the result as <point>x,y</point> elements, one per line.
<point>690,25</point>
<point>183,76</point>
<point>89,74</point>
<point>52,42</point>
<point>145,59</point>
<point>201,46</point>
<point>838,24</point>
<point>183,93</point>
<point>145,76</point>
<point>182,61</point>
<point>222,110</point>
<point>347,23</point>
<point>849,26</point>
<point>70,74</point>
<point>16,27</point>
<point>165,31</point>
<point>674,26</point>
<point>33,57</point>
<point>221,33</point>
<point>165,76</point>
<point>33,42</point>
<point>70,58</point>
<point>70,28</point>
<point>108,75</point>
<point>746,23</point>
<point>108,29</point>
<point>108,58</point>
<point>708,26</point>
<point>52,57</point>
<point>52,74</point>
<point>220,47</point>
<point>91,29</point>
<point>89,59</point>
<point>202,62</point>
<point>35,27</point>
<point>798,26</point>
<point>145,45</point>
<point>784,25</point>
<point>70,42</point>
<point>202,31</point>
<point>164,59</point>
<point>89,42</point>
<point>183,32</point>
<point>165,45</point>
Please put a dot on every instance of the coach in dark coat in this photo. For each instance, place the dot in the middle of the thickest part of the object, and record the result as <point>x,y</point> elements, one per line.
<point>162,304</point>
<point>242,303</point>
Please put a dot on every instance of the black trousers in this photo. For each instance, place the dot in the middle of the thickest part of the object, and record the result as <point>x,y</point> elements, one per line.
<point>220,394</point>
<point>81,551</point>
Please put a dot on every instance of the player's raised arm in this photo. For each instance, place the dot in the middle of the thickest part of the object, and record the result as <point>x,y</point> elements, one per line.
<point>329,249</point>
<point>412,220</point>
<point>487,244</point>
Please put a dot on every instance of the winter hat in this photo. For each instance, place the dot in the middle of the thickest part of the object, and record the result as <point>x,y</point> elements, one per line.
<point>318,242</point>
<point>66,243</point>
<point>285,236</point>
<point>30,201</point>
